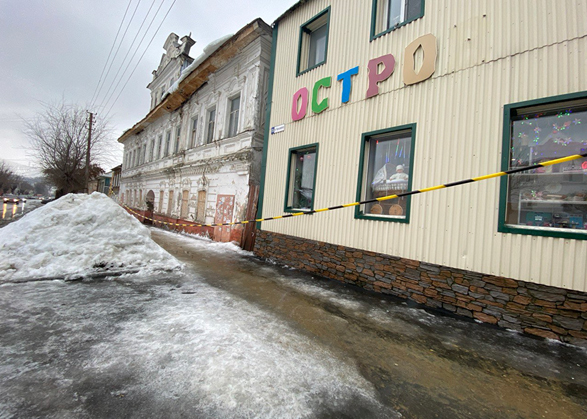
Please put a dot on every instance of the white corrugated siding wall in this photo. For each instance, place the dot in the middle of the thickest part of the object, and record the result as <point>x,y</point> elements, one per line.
<point>490,53</point>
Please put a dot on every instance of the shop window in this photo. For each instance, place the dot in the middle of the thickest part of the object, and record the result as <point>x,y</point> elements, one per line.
<point>385,168</point>
<point>194,133</point>
<point>549,201</point>
<point>301,178</point>
<point>211,123</point>
<point>233,116</point>
<point>313,44</point>
<point>391,14</point>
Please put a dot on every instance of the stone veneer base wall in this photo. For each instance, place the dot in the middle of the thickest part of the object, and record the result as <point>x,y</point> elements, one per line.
<point>539,310</point>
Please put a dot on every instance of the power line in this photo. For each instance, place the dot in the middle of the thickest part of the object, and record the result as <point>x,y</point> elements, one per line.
<point>107,97</point>
<point>117,49</point>
<point>138,62</point>
<point>111,49</point>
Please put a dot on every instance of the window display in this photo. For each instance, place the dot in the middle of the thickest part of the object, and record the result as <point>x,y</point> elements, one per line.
<point>301,178</point>
<point>386,170</point>
<point>553,198</point>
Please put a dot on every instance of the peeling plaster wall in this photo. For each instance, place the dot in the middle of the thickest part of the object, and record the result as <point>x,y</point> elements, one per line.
<point>226,166</point>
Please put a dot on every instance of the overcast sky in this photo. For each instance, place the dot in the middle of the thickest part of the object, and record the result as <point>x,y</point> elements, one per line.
<point>56,49</point>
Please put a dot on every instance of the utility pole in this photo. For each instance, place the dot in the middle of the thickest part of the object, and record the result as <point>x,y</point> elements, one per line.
<point>88,153</point>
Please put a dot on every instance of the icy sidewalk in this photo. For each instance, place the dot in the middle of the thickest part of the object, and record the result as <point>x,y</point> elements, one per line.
<point>75,236</point>
<point>165,347</point>
<point>230,336</point>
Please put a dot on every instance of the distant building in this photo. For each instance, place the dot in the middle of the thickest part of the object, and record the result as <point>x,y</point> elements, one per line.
<point>115,184</point>
<point>103,185</point>
<point>196,156</point>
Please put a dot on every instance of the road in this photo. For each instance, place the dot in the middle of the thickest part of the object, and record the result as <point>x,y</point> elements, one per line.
<point>12,212</point>
<point>235,337</point>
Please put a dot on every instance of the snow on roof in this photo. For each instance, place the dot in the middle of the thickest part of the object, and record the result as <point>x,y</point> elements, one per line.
<point>208,50</point>
<point>78,235</point>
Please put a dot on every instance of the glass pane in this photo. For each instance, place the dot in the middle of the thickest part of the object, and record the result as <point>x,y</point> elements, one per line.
<point>387,172</point>
<point>194,131</point>
<point>302,183</point>
<point>235,104</point>
<point>554,197</point>
<point>317,46</point>
<point>233,121</point>
<point>394,14</point>
<point>211,118</point>
<point>414,9</point>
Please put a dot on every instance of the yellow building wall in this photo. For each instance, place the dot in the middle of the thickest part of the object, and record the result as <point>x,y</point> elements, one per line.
<point>490,53</point>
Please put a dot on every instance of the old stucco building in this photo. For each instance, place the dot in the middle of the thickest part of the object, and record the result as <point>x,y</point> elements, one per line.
<point>375,97</point>
<point>195,158</point>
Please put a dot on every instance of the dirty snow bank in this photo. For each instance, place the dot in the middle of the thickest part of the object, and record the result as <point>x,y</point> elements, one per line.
<point>78,235</point>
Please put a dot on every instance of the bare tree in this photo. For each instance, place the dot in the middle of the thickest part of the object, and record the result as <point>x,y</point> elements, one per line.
<point>58,138</point>
<point>8,179</point>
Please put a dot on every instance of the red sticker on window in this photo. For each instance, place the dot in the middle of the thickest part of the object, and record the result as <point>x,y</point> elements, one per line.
<point>584,165</point>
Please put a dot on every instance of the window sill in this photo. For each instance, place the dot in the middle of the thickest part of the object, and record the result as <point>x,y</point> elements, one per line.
<point>398,26</point>
<point>299,73</point>
<point>560,233</point>
<point>296,210</point>
<point>387,218</point>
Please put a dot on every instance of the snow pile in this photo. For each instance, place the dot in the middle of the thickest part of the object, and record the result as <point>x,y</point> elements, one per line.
<point>78,235</point>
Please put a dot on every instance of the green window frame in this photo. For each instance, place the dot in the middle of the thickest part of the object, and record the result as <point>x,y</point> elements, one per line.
<point>389,15</point>
<point>313,42</point>
<point>300,184</point>
<point>382,154</point>
<point>550,201</point>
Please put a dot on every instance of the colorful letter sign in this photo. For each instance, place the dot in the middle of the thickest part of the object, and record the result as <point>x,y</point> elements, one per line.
<point>296,114</point>
<point>428,45</point>
<point>319,107</point>
<point>375,77</point>
<point>347,82</point>
<point>378,70</point>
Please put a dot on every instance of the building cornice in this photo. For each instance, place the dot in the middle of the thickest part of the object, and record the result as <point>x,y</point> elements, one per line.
<point>199,76</point>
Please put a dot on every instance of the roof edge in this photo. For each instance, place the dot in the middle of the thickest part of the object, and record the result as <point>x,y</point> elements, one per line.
<point>193,81</point>
<point>290,10</point>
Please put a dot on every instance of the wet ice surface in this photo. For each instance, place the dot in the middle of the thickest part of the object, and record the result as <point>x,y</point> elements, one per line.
<point>233,337</point>
<point>163,347</point>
